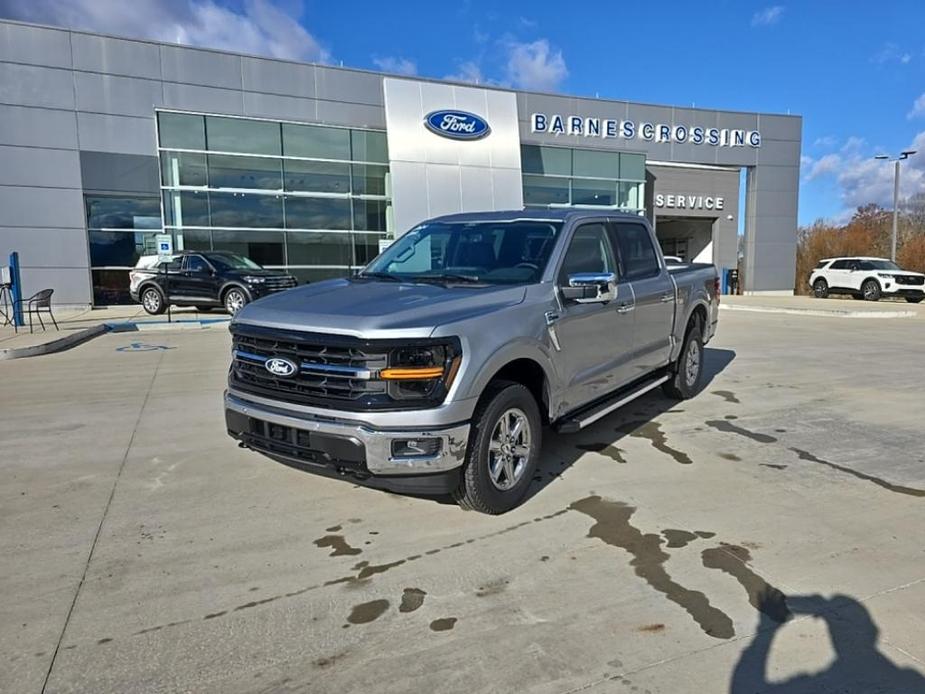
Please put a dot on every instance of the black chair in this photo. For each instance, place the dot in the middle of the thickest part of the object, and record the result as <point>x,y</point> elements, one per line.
<point>35,304</point>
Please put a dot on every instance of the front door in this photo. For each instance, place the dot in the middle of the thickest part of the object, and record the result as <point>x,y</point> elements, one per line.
<point>595,339</point>
<point>654,293</point>
<point>196,281</point>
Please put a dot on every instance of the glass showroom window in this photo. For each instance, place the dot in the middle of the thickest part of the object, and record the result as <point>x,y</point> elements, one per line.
<point>314,199</point>
<point>119,231</point>
<point>563,177</point>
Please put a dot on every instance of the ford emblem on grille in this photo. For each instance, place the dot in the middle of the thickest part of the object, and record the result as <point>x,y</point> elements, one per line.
<point>457,125</point>
<point>280,367</point>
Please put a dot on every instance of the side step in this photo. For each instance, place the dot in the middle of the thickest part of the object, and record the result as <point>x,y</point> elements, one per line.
<point>582,418</point>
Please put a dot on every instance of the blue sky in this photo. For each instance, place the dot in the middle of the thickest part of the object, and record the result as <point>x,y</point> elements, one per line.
<point>854,70</point>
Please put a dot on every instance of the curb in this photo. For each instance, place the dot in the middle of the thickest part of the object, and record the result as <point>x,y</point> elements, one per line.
<point>831,313</point>
<point>59,345</point>
<point>78,337</point>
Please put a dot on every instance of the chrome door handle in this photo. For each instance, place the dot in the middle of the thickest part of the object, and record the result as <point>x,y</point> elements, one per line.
<point>625,308</point>
<point>666,298</point>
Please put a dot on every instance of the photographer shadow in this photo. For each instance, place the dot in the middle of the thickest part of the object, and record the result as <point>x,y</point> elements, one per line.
<point>859,665</point>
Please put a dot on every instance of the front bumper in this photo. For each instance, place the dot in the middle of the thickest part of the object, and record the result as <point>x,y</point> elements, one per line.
<point>343,446</point>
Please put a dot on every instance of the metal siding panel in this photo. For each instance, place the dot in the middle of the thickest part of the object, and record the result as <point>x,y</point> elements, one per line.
<point>40,247</point>
<point>278,77</point>
<point>37,127</point>
<point>777,178</point>
<point>355,115</point>
<point>208,99</point>
<point>116,56</point>
<point>348,86</point>
<point>409,186</point>
<point>779,153</point>
<point>127,96</point>
<point>281,107</point>
<point>476,189</point>
<point>71,285</point>
<point>23,206</point>
<point>775,127</point>
<point>198,66</point>
<point>34,45</point>
<point>30,85</point>
<point>106,171</point>
<point>443,189</point>
<point>508,189</point>
<point>32,166</point>
<point>122,134</point>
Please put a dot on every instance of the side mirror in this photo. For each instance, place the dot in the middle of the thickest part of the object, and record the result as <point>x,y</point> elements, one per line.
<point>591,287</point>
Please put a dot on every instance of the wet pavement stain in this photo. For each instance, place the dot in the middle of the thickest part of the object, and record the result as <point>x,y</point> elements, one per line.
<point>499,585</point>
<point>610,451</point>
<point>334,528</point>
<point>729,427</point>
<point>411,599</point>
<point>765,598</point>
<point>443,624</point>
<point>651,628</point>
<point>367,612</point>
<point>339,546</point>
<point>678,538</point>
<point>730,456</point>
<point>899,489</point>
<point>612,527</point>
<point>773,466</point>
<point>706,534</point>
<point>653,433</point>
<point>728,396</point>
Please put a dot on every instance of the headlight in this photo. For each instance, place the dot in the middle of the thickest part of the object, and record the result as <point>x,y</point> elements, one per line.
<point>420,372</point>
<point>254,280</point>
<point>886,275</point>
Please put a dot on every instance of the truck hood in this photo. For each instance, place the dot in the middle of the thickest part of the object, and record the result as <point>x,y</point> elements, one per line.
<point>375,309</point>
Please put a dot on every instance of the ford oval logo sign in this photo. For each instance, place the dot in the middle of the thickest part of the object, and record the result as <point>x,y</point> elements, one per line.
<point>280,367</point>
<point>457,125</point>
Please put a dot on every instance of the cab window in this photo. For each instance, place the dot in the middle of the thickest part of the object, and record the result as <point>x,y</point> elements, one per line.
<point>588,251</point>
<point>636,251</point>
<point>196,263</point>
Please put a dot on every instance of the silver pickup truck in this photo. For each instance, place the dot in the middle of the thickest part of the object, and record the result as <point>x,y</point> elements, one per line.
<point>436,368</point>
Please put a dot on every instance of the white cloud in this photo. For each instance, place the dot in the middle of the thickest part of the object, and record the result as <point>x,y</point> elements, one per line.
<point>468,71</point>
<point>825,141</point>
<point>535,65</point>
<point>861,179</point>
<point>892,53</point>
<point>918,108</point>
<point>767,16</point>
<point>399,66</point>
<point>254,26</point>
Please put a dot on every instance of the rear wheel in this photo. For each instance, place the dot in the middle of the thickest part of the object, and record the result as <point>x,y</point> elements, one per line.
<point>153,301</point>
<point>504,447</point>
<point>871,290</point>
<point>235,300</point>
<point>820,288</point>
<point>914,299</point>
<point>685,381</point>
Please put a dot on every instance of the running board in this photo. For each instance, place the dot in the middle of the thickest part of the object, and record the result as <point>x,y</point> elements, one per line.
<point>583,418</point>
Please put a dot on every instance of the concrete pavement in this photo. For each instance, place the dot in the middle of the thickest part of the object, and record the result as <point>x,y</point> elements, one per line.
<point>766,528</point>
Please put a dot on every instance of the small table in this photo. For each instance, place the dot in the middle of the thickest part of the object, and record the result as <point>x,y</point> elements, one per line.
<point>6,304</point>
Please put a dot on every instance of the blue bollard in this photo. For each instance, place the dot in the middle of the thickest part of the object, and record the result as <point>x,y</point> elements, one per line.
<point>16,290</point>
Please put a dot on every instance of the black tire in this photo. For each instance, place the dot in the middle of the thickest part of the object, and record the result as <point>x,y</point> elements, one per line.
<point>234,299</point>
<point>687,372</point>
<point>820,288</point>
<point>914,299</point>
<point>478,489</point>
<point>871,290</point>
<point>204,309</point>
<point>857,297</point>
<point>152,301</point>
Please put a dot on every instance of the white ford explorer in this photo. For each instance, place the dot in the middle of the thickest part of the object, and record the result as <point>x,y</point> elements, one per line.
<point>866,278</point>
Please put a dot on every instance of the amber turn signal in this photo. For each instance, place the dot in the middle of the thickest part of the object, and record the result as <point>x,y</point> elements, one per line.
<point>413,373</point>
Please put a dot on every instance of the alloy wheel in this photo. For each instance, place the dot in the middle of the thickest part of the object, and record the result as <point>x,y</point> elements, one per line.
<point>509,449</point>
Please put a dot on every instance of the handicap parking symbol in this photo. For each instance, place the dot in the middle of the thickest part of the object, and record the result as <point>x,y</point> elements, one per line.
<point>142,347</point>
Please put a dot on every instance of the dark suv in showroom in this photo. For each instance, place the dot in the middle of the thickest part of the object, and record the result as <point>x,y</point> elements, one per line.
<point>204,279</point>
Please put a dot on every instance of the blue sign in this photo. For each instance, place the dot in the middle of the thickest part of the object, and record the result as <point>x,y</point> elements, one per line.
<point>457,125</point>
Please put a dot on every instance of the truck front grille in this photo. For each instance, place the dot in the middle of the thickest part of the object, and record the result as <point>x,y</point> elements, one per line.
<point>915,281</point>
<point>279,284</point>
<point>325,370</point>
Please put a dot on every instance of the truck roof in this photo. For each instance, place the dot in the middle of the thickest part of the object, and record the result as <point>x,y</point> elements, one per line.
<point>557,214</point>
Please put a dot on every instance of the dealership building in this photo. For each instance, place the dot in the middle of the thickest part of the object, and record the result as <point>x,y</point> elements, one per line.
<point>108,142</point>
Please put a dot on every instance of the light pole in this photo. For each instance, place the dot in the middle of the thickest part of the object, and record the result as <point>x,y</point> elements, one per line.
<point>905,154</point>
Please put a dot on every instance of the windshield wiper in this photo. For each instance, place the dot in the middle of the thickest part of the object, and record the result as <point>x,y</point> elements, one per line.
<point>468,279</point>
<point>380,276</point>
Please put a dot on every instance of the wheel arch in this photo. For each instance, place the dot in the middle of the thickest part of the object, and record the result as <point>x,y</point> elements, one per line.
<point>228,286</point>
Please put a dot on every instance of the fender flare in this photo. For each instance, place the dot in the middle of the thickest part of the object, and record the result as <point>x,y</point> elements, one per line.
<point>236,285</point>
<point>510,352</point>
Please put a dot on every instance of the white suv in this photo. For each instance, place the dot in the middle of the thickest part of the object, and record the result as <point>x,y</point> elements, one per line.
<point>866,278</point>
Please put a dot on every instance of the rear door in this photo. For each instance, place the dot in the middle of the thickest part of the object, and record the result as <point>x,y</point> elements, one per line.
<point>654,292</point>
<point>838,274</point>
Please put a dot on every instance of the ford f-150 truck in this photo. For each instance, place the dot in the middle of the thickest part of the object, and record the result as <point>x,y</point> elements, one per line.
<point>435,369</point>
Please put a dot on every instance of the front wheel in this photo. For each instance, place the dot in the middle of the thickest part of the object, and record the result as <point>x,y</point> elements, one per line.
<point>153,301</point>
<point>914,299</point>
<point>685,381</point>
<point>871,290</point>
<point>820,288</point>
<point>235,300</point>
<point>503,452</point>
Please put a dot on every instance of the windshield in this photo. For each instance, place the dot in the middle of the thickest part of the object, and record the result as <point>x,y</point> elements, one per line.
<point>513,252</point>
<point>229,261</point>
<point>878,265</point>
